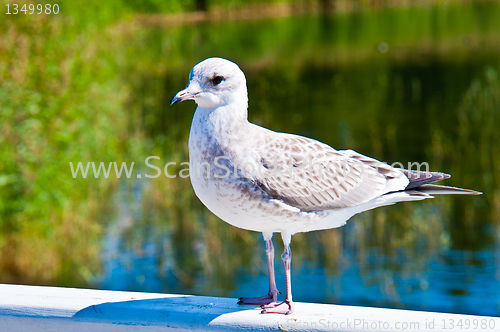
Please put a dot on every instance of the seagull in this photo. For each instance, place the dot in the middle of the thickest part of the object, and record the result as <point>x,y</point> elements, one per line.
<point>270,182</point>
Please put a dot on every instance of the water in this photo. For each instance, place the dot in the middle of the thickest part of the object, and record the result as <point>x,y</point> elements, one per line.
<point>407,85</point>
<point>442,280</point>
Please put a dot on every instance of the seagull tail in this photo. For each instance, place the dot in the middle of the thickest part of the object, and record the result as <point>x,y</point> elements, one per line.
<point>420,181</point>
<point>433,189</point>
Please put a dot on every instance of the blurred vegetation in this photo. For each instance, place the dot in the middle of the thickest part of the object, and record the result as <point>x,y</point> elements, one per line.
<point>412,83</point>
<point>60,101</point>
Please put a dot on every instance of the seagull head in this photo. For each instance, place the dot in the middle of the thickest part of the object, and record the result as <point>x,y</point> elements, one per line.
<point>214,82</point>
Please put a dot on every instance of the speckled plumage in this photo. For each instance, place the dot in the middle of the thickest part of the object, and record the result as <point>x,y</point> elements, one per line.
<point>265,181</point>
<point>260,193</point>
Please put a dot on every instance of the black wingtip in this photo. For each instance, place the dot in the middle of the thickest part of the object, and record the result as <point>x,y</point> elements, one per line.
<point>419,178</point>
<point>445,176</point>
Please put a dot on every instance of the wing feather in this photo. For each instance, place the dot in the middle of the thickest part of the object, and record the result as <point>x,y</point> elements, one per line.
<point>312,176</point>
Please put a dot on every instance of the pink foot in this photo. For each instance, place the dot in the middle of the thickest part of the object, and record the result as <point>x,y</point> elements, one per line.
<point>256,300</point>
<point>284,308</point>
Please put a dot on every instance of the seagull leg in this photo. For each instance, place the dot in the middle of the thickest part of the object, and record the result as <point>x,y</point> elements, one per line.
<point>273,291</point>
<point>285,307</point>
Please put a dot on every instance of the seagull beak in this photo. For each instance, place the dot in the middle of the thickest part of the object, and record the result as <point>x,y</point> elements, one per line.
<point>182,95</point>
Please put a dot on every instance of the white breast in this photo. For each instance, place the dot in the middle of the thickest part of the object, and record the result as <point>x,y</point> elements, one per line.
<point>233,198</point>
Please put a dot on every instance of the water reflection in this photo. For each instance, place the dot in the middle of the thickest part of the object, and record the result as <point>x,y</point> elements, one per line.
<point>431,95</point>
<point>441,280</point>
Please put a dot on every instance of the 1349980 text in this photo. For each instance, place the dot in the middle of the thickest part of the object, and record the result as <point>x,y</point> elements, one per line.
<point>29,9</point>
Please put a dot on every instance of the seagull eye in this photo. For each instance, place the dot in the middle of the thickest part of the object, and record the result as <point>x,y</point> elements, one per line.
<point>217,80</point>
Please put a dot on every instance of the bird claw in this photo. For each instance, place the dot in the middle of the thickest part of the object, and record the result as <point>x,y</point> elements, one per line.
<point>284,308</point>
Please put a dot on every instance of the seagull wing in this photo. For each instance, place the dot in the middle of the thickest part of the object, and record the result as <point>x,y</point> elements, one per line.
<point>313,176</point>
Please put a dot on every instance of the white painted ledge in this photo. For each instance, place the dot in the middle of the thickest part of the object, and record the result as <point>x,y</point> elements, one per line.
<point>34,308</point>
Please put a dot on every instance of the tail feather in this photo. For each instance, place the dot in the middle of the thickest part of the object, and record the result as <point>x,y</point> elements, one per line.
<point>433,189</point>
<point>420,181</point>
<point>415,194</point>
